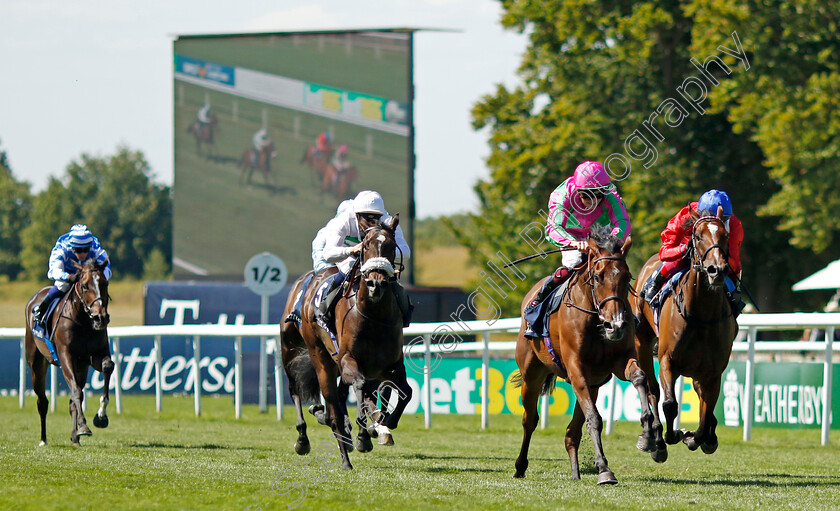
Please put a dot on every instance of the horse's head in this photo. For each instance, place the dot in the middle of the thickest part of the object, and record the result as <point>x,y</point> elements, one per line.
<point>92,290</point>
<point>378,255</point>
<point>709,246</point>
<point>609,277</point>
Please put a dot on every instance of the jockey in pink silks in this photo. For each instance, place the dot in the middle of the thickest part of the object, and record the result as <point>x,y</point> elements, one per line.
<point>585,200</point>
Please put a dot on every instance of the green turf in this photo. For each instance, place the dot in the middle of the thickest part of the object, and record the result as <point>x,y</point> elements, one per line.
<point>173,460</point>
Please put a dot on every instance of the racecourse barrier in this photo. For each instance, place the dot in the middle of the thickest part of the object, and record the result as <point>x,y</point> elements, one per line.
<point>419,342</point>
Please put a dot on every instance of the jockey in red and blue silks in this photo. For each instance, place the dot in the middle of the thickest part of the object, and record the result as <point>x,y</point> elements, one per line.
<point>585,200</point>
<point>323,144</point>
<point>675,240</point>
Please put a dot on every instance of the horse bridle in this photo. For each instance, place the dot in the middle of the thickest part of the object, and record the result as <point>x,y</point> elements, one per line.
<point>379,263</point>
<point>590,280</point>
<point>88,308</point>
<point>696,259</point>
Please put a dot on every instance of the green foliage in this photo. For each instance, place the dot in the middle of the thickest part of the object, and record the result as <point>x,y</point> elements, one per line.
<point>116,197</point>
<point>15,206</point>
<point>438,231</point>
<point>156,266</point>
<point>594,71</point>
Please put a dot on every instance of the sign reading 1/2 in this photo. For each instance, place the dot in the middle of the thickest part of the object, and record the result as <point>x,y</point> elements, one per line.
<point>266,274</point>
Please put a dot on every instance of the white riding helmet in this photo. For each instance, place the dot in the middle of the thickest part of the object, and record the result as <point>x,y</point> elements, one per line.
<point>368,201</point>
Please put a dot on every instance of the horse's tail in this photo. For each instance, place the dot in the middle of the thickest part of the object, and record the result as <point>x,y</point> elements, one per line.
<point>547,386</point>
<point>303,372</point>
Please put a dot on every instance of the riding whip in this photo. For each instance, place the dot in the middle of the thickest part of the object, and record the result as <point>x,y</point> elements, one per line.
<point>541,254</point>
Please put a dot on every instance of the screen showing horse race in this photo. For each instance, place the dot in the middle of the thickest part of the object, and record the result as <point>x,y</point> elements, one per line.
<point>274,131</point>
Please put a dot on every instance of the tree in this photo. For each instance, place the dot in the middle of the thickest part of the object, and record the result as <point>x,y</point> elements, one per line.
<point>116,197</point>
<point>593,75</point>
<point>15,206</point>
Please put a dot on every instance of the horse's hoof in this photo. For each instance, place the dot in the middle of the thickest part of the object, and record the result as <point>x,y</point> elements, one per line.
<point>76,443</point>
<point>660,455</point>
<point>313,409</point>
<point>100,422</point>
<point>646,443</point>
<point>42,444</point>
<point>84,430</point>
<point>346,465</point>
<point>385,439</point>
<point>709,448</point>
<point>363,444</point>
<point>607,477</point>
<point>690,440</point>
<point>372,431</point>
<point>674,436</point>
<point>519,475</point>
<point>302,448</point>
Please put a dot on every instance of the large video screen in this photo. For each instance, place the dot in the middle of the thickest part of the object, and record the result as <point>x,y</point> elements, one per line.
<point>237,194</point>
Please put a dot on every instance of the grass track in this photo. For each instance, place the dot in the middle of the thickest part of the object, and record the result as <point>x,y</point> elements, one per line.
<point>172,460</point>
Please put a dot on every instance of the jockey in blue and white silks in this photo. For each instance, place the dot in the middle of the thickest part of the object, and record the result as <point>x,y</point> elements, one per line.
<point>76,246</point>
<point>343,242</point>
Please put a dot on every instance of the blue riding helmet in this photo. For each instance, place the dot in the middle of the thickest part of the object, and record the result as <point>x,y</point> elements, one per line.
<point>710,201</point>
<point>80,236</point>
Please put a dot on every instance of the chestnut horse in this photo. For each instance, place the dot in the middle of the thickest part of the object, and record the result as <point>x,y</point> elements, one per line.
<point>81,341</point>
<point>591,338</point>
<point>318,162</point>
<point>338,183</point>
<point>696,330</point>
<point>369,346</point>
<point>257,160</point>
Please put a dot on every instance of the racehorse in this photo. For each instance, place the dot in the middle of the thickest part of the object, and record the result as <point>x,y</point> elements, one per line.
<point>78,331</point>
<point>257,160</point>
<point>591,338</point>
<point>203,133</point>
<point>367,349</point>
<point>338,183</point>
<point>318,161</point>
<point>696,331</point>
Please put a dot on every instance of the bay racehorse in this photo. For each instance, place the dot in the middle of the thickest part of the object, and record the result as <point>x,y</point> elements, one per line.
<point>696,330</point>
<point>591,338</point>
<point>203,133</point>
<point>367,349</point>
<point>254,160</point>
<point>78,331</point>
<point>317,161</point>
<point>339,183</point>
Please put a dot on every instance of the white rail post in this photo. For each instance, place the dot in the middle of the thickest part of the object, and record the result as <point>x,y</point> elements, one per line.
<point>278,380</point>
<point>237,377</point>
<point>678,392</point>
<point>826,418</point>
<point>263,396</point>
<point>544,410</point>
<point>197,373</point>
<point>427,380</point>
<point>611,392</point>
<point>54,387</point>
<point>22,366</point>
<point>158,376</point>
<point>750,383</point>
<point>485,380</point>
<point>117,356</point>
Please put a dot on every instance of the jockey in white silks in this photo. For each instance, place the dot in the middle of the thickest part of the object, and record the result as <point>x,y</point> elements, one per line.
<point>204,114</point>
<point>343,242</point>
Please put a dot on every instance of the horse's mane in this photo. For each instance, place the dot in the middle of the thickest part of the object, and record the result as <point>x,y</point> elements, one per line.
<point>602,237</point>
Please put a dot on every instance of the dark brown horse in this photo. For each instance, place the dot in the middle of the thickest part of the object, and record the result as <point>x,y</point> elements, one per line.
<point>253,160</point>
<point>696,330</point>
<point>317,162</point>
<point>339,183</point>
<point>81,341</point>
<point>591,338</point>
<point>369,349</point>
<point>203,133</point>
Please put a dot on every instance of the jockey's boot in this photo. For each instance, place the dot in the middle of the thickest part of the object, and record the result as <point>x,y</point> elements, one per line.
<point>404,303</point>
<point>325,308</point>
<point>560,275</point>
<point>735,302</point>
<point>39,310</point>
<point>652,285</point>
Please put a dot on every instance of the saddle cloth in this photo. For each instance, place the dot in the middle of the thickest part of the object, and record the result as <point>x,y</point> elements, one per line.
<point>43,333</point>
<point>538,316</point>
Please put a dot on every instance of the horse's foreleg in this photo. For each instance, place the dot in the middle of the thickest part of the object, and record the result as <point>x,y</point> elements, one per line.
<point>531,386</point>
<point>399,385</point>
<point>106,366</point>
<point>668,378</point>
<point>39,383</point>
<point>302,444</point>
<point>574,432</point>
<point>336,412</point>
<point>708,391</point>
<point>586,398</point>
<point>650,440</point>
<point>364,409</point>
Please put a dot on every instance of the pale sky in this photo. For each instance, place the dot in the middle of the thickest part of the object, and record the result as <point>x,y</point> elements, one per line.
<point>84,76</point>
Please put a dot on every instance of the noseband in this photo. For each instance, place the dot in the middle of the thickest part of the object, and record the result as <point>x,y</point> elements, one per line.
<point>696,258</point>
<point>88,307</point>
<point>378,263</point>
<point>590,279</point>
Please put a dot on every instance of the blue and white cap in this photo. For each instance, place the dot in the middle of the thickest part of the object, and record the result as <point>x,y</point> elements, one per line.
<point>710,201</point>
<point>80,236</point>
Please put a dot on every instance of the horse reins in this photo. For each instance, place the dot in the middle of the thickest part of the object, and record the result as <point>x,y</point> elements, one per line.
<point>589,280</point>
